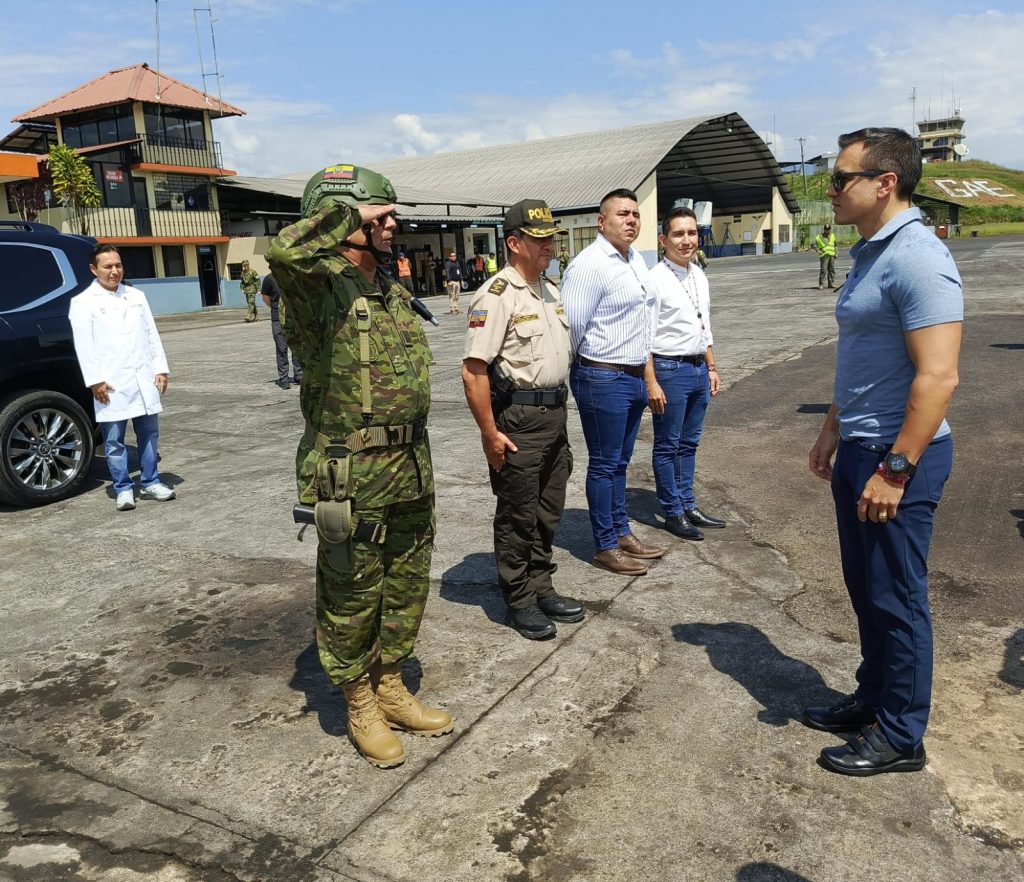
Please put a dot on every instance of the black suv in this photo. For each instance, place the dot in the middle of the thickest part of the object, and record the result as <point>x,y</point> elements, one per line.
<point>47,433</point>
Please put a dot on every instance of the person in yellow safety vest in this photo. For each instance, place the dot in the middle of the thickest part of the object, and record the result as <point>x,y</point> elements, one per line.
<point>492,264</point>
<point>825,245</point>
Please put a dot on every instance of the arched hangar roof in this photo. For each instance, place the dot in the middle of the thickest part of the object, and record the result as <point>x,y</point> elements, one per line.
<point>717,158</point>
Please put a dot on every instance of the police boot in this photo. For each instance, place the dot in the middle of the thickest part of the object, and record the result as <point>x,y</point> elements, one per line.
<point>367,728</point>
<point>404,711</point>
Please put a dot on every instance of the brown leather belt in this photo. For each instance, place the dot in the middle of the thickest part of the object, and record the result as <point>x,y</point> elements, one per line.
<point>631,369</point>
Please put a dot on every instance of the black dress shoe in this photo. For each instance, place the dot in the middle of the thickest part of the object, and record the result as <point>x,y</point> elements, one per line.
<point>531,623</point>
<point>696,517</point>
<point>283,383</point>
<point>561,609</point>
<point>847,716</point>
<point>870,753</point>
<point>678,527</point>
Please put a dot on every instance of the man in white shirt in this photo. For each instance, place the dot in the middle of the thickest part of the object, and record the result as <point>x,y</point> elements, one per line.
<point>681,376</point>
<point>124,365</point>
<point>611,306</point>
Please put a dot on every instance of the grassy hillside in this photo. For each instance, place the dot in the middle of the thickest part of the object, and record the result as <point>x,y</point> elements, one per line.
<point>979,209</point>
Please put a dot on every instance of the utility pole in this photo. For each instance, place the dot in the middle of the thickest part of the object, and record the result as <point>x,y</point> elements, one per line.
<point>913,109</point>
<point>803,168</point>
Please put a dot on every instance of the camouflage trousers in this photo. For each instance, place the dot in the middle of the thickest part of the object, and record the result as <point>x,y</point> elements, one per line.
<point>250,302</point>
<point>370,597</point>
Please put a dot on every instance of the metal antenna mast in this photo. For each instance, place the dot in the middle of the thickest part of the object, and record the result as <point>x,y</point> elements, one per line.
<point>913,108</point>
<point>216,74</point>
<point>803,168</point>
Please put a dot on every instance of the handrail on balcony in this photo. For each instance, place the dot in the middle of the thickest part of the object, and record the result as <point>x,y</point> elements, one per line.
<point>161,223</point>
<point>162,150</point>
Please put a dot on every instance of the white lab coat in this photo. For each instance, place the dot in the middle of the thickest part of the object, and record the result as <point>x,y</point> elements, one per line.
<point>117,343</point>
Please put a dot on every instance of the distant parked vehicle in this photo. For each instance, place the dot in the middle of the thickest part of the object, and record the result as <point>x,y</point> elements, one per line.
<point>47,432</point>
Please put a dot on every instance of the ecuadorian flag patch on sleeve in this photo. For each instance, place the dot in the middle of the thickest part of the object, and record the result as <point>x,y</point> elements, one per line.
<point>477,318</point>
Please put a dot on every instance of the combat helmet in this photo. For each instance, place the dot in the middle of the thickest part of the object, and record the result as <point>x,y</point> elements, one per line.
<point>350,184</point>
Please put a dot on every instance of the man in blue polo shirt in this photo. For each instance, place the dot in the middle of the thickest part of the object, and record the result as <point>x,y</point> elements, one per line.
<point>900,314</point>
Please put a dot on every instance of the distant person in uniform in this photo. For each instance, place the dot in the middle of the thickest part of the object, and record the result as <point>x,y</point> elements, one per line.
<point>492,264</point>
<point>453,280</point>
<point>271,294</point>
<point>250,283</point>
<point>124,364</point>
<point>403,267</point>
<point>825,245</point>
<point>514,371</point>
<point>563,260</point>
<point>900,315</point>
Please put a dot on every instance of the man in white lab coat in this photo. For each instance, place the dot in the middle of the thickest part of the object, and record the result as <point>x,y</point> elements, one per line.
<point>124,365</point>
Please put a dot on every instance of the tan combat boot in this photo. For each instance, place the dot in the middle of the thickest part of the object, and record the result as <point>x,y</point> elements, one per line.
<point>367,728</point>
<point>404,711</point>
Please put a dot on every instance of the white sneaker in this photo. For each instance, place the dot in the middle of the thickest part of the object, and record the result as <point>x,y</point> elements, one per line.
<point>159,492</point>
<point>126,500</point>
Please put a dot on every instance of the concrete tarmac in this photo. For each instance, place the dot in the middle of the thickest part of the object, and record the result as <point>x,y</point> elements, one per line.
<point>163,715</point>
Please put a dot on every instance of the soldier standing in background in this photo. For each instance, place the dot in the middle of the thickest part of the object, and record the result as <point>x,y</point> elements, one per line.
<point>825,245</point>
<point>364,458</point>
<point>250,281</point>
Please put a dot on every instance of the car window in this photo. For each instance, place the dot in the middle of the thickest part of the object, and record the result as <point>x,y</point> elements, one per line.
<point>31,275</point>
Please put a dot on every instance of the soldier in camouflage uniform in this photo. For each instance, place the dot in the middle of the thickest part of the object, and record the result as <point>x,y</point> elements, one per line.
<point>364,458</point>
<point>250,286</point>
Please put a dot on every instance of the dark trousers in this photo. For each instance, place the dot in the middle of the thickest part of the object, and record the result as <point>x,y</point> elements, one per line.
<point>281,351</point>
<point>611,404</point>
<point>886,571</point>
<point>530,491</point>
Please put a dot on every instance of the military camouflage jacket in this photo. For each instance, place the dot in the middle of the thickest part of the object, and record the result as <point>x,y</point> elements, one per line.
<point>250,282</point>
<point>319,288</point>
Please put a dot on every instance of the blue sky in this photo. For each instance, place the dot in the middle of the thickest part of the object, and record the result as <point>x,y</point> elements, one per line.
<point>325,81</point>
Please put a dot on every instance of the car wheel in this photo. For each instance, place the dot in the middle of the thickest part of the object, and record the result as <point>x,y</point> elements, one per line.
<point>46,447</point>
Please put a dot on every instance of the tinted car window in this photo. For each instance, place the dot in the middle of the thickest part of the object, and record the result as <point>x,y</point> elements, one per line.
<point>27,273</point>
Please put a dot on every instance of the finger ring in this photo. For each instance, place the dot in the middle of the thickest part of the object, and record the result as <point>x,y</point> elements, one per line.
<point>883,516</point>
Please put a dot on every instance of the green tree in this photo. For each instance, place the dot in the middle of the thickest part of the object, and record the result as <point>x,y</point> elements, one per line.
<point>73,185</point>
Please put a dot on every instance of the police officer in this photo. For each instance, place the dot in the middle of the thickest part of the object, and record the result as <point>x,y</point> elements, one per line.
<point>514,370</point>
<point>825,245</point>
<point>364,458</point>
<point>250,284</point>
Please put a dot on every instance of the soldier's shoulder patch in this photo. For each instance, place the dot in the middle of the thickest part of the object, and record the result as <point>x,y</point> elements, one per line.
<point>497,286</point>
<point>477,318</point>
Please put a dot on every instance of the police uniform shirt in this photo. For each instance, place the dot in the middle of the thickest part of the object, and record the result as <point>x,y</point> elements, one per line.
<point>523,327</point>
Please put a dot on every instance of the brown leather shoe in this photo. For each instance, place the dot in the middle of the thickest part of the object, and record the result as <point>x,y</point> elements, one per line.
<point>635,548</point>
<point>615,560</point>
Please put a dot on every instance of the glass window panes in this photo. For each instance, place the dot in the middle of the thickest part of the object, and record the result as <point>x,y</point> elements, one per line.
<point>137,262</point>
<point>181,192</point>
<point>582,237</point>
<point>174,261</point>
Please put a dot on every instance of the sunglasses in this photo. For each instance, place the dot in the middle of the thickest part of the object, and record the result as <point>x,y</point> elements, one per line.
<point>840,179</point>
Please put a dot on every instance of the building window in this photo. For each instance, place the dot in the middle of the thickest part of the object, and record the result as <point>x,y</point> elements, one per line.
<point>783,233</point>
<point>137,262</point>
<point>104,126</point>
<point>174,261</point>
<point>181,192</point>
<point>114,183</point>
<point>174,126</point>
<point>582,237</point>
<point>235,271</point>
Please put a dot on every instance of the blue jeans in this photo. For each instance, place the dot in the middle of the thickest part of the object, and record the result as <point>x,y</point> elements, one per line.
<point>885,567</point>
<point>611,404</point>
<point>147,432</point>
<point>677,432</point>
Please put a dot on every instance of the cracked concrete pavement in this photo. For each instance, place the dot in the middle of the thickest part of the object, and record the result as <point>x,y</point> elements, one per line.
<point>163,715</point>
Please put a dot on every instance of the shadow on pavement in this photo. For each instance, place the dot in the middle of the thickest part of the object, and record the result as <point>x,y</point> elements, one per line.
<point>1007,345</point>
<point>474,581</point>
<point>813,408</point>
<point>1013,660</point>
<point>765,872</point>
<point>323,698</point>
<point>1018,513</point>
<point>781,684</point>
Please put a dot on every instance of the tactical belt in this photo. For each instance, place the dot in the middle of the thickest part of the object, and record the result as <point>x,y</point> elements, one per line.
<point>696,360</point>
<point>375,436</point>
<point>540,397</point>
<point>634,370</point>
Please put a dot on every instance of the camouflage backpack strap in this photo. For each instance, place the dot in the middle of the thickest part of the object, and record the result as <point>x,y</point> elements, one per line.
<point>363,324</point>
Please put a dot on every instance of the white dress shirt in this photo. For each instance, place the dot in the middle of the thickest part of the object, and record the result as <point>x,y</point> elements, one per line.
<point>610,303</point>
<point>682,293</point>
<point>117,343</point>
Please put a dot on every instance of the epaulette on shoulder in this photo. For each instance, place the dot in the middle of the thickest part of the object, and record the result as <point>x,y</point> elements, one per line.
<point>497,286</point>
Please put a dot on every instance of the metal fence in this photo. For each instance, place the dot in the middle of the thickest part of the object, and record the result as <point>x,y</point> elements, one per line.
<point>134,222</point>
<point>177,151</point>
